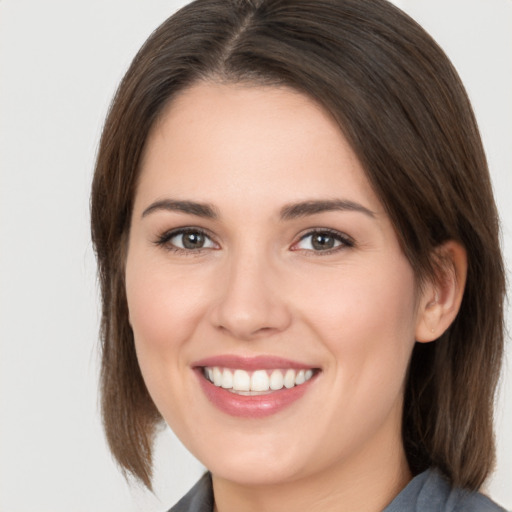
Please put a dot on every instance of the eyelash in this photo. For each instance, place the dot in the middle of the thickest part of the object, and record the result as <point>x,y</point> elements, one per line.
<point>345,242</point>
<point>164,241</point>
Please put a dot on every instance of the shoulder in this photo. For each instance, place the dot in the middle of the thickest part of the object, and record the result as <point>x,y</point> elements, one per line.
<point>198,499</point>
<point>464,501</point>
<point>431,492</point>
<point>427,492</point>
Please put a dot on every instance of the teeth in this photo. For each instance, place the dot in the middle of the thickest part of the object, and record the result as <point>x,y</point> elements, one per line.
<point>289,379</point>
<point>217,376</point>
<point>241,381</point>
<point>227,379</point>
<point>276,380</point>
<point>259,381</point>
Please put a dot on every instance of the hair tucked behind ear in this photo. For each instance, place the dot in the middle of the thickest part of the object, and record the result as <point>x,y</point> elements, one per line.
<point>402,107</point>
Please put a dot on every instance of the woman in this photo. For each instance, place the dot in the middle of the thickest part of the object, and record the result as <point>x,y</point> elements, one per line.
<point>299,259</point>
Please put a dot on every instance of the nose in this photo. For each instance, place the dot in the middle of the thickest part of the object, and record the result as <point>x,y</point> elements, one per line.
<point>251,303</point>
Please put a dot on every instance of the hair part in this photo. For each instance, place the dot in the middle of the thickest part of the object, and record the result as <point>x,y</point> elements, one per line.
<point>401,105</point>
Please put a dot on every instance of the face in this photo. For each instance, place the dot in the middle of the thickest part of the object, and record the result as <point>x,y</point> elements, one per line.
<point>273,310</point>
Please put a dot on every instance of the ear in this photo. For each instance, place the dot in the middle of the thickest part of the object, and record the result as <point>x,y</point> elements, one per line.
<point>441,297</point>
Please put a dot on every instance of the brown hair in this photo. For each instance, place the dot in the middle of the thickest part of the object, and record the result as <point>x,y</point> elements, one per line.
<point>402,107</point>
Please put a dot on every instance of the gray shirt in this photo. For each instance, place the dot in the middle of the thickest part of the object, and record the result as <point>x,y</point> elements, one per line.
<point>427,492</point>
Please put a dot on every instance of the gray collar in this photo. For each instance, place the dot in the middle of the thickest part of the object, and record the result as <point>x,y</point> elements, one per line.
<point>427,492</point>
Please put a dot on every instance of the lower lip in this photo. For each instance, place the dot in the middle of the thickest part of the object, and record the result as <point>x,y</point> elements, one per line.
<point>255,406</point>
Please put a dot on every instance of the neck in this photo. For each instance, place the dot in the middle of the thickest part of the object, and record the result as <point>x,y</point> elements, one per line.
<point>365,483</point>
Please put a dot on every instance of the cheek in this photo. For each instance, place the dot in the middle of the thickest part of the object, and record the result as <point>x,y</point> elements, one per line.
<point>164,309</point>
<point>366,318</point>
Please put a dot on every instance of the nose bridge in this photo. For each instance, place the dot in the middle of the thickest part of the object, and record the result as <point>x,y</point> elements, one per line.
<point>251,303</point>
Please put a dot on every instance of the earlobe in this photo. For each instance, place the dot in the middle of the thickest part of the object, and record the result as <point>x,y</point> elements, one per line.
<point>441,298</point>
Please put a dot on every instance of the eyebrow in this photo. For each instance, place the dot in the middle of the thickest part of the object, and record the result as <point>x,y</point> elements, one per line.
<point>305,208</point>
<point>191,207</point>
<point>288,212</point>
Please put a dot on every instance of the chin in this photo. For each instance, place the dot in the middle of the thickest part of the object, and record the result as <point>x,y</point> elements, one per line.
<point>250,473</point>
<point>253,462</point>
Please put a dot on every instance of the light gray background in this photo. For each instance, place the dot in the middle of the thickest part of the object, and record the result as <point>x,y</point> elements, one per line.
<point>60,61</point>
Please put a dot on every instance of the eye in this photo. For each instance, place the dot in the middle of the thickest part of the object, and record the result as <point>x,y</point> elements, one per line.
<point>188,239</point>
<point>323,241</point>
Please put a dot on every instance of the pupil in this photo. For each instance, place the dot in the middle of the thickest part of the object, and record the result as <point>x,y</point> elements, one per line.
<point>323,241</point>
<point>193,240</point>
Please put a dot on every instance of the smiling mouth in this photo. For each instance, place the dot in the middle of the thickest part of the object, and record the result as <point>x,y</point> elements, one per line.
<point>258,382</point>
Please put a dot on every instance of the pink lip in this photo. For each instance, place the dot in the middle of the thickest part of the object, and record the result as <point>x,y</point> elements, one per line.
<point>250,363</point>
<point>256,406</point>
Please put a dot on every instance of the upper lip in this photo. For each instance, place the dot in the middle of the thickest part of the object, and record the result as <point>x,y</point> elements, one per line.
<point>251,363</point>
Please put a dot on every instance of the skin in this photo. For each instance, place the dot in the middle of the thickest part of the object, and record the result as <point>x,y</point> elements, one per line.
<point>259,287</point>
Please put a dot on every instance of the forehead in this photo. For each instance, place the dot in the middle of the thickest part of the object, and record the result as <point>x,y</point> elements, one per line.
<point>260,141</point>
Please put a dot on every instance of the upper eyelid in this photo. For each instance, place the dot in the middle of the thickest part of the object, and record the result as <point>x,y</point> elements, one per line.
<point>171,233</point>
<point>346,241</point>
<point>334,232</point>
<point>186,229</point>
